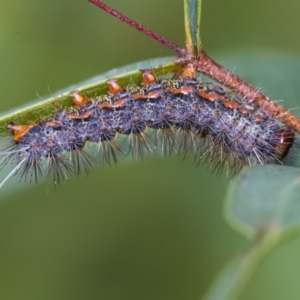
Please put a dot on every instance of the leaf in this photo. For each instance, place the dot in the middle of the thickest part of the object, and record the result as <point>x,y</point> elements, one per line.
<point>264,198</point>
<point>192,16</point>
<point>263,203</point>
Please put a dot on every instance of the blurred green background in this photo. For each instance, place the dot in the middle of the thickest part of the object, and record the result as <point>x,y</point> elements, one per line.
<point>149,229</point>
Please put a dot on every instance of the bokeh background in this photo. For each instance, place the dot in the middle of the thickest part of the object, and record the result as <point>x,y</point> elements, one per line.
<point>150,229</point>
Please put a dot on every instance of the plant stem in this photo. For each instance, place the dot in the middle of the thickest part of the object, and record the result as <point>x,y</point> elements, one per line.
<point>233,280</point>
<point>192,17</point>
<point>139,27</point>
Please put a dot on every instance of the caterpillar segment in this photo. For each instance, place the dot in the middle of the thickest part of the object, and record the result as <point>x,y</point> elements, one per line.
<point>178,115</point>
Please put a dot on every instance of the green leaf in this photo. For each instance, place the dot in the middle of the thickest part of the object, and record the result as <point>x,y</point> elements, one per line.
<point>192,16</point>
<point>91,88</point>
<point>263,203</point>
<point>264,198</point>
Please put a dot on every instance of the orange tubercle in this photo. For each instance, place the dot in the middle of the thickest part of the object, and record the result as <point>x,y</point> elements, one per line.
<point>53,123</point>
<point>19,130</point>
<point>230,103</point>
<point>113,86</point>
<point>189,70</point>
<point>148,77</point>
<point>78,99</point>
<point>212,96</point>
<point>118,103</point>
<point>183,90</point>
<point>79,117</point>
<point>151,94</point>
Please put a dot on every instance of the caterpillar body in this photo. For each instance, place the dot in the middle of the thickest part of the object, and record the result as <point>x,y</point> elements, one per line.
<point>181,115</point>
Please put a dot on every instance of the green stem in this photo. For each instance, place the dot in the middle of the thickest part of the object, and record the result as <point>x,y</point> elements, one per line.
<point>192,16</point>
<point>233,280</point>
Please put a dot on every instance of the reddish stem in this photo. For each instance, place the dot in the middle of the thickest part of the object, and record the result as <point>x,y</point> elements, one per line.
<point>145,30</point>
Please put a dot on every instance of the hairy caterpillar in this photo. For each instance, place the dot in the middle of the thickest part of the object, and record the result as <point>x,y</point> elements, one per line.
<point>181,115</point>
